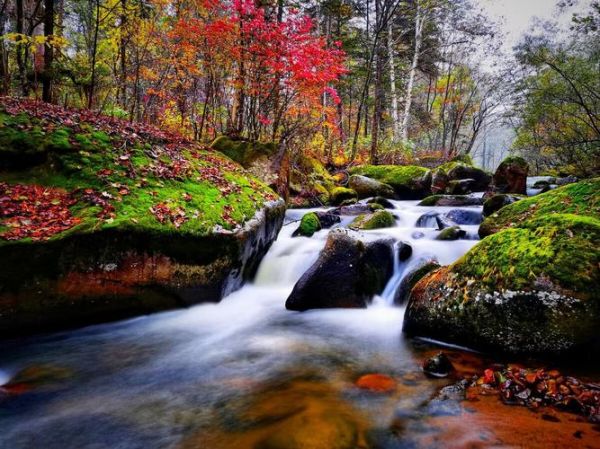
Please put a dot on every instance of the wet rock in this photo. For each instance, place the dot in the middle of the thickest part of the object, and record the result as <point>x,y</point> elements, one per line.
<point>448,401</point>
<point>311,430</point>
<point>566,180</point>
<point>404,251</point>
<point>338,195</point>
<point>451,233</point>
<point>377,220</point>
<point>411,279</point>
<point>354,209</point>
<point>309,224</point>
<point>511,176</point>
<point>433,219</point>
<point>461,186</point>
<point>328,219</point>
<point>527,289</point>
<point>438,366</point>
<point>417,235</point>
<point>347,274</point>
<point>464,216</point>
<point>497,202</point>
<point>451,200</point>
<point>382,201</point>
<point>368,187</point>
<point>377,383</point>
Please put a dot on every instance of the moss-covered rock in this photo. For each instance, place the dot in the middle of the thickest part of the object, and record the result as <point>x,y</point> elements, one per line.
<point>581,198</point>
<point>451,178</point>
<point>511,176</point>
<point>451,233</point>
<point>412,277</point>
<point>496,202</point>
<point>367,187</point>
<point>377,220</point>
<point>155,221</point>
<point>309,224</point>
<point>244,152</point>
<point>340,194</point>
<point>347,274</point>
<point>408,181</point>
<point>310,182</point>
<point>527,289</point>
<point>451,200</point>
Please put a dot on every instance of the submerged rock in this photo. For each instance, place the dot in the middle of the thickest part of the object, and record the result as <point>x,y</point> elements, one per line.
<point>438,366</point>
<point>367,187</point>
<point>526,289</point>
<point>347,274</point>
<point>433,219</point>
<point>464,216</point>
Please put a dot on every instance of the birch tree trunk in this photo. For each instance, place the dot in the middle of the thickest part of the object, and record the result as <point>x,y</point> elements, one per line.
<point>413,70</point>
<point>394,98</point>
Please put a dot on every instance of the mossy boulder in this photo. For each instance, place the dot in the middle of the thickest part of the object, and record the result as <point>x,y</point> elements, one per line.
<point>582,198</point>
<point>387,204</point>
<point>347,274</point>
<point>121,219</point>
<point>309,224</point>
<point>340,194</point>
<point>410,182</point>
<point>310,182</point>
<point>456,178</point>
<point>377,220</point>
<point>451,233</point>
<point>367,187</point>
<point>532,288</point>
<point>244,152</point>
<point>511,176</point>
<point>451,200</point>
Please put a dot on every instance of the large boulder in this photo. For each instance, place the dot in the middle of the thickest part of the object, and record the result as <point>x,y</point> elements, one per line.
<point>526,289</point>
<point>457,178</point>
<point>580,198</point>
<point>123,219</point>
<point>347,274</point>
<point>368,187</point>
<point>417,272</point>
<point>408,181</point>
<point>511,176</point>
<point>496,202</point>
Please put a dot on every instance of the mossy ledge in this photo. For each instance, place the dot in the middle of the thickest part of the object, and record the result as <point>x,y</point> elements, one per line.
<point>410,182</point>
<point>158,221</point>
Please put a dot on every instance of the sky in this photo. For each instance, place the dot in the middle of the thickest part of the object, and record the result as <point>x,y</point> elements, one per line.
<point>517,16</point>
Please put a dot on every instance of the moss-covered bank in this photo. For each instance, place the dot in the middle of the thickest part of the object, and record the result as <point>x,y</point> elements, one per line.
<point>155,221</point>
<point>408,181</point>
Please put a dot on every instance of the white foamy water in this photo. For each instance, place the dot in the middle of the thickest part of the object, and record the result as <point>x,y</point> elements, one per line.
<point>151,381</point>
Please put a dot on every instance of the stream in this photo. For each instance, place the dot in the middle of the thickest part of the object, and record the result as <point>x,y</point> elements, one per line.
<point>228,375</point>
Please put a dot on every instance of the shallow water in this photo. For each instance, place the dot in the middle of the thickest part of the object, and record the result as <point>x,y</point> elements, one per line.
<point>239,373</point>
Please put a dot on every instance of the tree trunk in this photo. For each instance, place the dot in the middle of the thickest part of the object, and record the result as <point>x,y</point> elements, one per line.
<point>413,70</point>
<point>48,50</point>
<point>21,50</point>
<point>94,53</point>
<point>394,97</point>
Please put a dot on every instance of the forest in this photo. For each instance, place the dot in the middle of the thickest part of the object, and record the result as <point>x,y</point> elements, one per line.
<point>299,224</point>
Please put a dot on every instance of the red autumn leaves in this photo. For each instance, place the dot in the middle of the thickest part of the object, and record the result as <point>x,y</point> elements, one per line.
<point>36,212</point>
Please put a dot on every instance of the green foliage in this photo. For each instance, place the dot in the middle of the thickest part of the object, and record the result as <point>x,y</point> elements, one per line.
<point>243,152</point>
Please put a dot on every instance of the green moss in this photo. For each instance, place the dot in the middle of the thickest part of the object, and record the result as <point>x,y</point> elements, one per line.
<point>340,194</point>
<point>377,220</point>
<point>308,225</point>
<point>394,175</point>
<point>581,198</point>
<point>514,160</point>
<point>464,158</point>
<point>211,191</point>
<point>451,233</point>
<point>243,151</point>
<point>559,248</point>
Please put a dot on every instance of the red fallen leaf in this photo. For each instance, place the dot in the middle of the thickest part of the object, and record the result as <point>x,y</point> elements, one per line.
<point>488,377</point>
<point>378,383</point>
<point>124,191</point>
<point>187,197</point>
<point>531,378</point>
<point>105,172</point>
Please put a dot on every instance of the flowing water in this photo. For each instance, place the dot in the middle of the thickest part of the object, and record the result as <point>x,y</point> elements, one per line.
<point>247,373</point>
